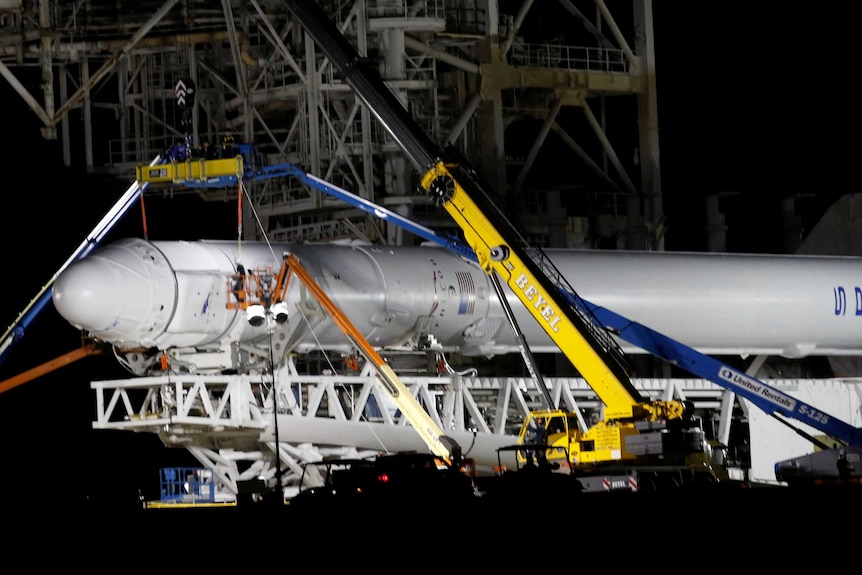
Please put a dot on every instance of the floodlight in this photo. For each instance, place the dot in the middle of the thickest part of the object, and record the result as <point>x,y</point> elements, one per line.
<point>256,315</point>
<point>279,310</point>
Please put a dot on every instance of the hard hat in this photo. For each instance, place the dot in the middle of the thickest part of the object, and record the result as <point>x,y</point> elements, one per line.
<point>842,452</point>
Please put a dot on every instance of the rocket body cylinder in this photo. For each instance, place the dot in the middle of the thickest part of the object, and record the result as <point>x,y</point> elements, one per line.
<point>166,294</point>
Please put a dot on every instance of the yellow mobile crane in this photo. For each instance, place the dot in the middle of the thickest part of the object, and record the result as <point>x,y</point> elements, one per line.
<point>633,430</point>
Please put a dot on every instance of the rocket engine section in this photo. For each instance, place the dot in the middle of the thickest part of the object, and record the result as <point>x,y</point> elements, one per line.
<point>170,296</point>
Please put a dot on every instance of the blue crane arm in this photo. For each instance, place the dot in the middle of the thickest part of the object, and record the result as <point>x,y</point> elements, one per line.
<point>287,169</point>
<point>765,397</point>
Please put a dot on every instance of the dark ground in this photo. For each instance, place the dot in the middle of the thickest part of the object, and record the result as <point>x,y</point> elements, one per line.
<point>641,531</point>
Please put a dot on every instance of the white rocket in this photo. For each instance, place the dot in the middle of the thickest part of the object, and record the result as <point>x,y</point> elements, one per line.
<point>166,295</point>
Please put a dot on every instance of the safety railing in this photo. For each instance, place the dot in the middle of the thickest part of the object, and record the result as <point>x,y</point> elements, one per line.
<point>569,57</point>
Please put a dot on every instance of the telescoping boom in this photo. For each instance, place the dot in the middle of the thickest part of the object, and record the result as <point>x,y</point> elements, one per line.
<point>570,322</point>
<point>261,288</point>
<point>501,250</point>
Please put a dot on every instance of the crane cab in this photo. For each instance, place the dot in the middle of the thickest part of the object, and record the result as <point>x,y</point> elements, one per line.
<point>553,430</point>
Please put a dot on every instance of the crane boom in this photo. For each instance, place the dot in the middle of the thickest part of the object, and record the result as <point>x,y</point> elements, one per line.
<point>588,349</point>
<point>253,286</point>
<point>495,241</point>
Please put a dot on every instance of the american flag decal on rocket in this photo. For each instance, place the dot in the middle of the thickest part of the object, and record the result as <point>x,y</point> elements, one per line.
<point>468,293</point>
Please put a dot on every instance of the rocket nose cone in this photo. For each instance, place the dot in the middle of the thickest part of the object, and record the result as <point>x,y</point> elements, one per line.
<point>123,294</point>
<point>85,295</point>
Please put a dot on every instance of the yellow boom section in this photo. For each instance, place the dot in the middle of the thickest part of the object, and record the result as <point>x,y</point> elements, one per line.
<point>428,430</point>
<point>495,255</point>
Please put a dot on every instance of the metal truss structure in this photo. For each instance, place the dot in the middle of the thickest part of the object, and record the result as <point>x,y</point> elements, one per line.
<point>227,422</point>
<point>492,78</point>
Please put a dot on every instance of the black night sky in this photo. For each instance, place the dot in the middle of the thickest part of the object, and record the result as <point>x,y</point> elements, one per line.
<point>757,103</point>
